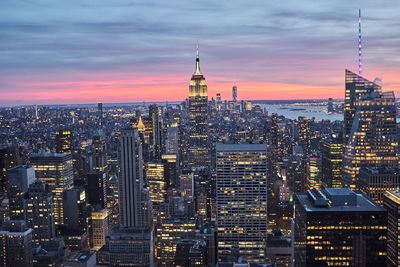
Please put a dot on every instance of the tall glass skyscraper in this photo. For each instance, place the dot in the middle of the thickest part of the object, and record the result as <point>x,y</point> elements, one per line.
<point>199,151</point>
<point>241,184</point>
<point>356,87</point>
<point>373,139</point>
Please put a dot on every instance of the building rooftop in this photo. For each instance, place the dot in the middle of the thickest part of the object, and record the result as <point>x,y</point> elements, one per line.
<point>382,170</point>
<point>240,147</point>
<point>49,154</point>
<point>336,199</point>
<point>80,256</point>
<point>120,232</point>
<point>394,195</point>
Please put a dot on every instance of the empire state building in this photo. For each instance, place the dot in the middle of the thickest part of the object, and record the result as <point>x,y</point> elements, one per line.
<point>199,149</point>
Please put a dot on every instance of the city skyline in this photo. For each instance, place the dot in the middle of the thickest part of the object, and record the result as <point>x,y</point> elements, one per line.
<point>279,52</point>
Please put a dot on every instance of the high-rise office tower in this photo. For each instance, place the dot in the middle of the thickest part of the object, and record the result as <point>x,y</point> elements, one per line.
<point>330,105</point>
<point>168,232</point>
<point>155,178</point>
<point>374,182</point>
<point>199,150</point>
<point>156,131</point>
<point>356,88</point>
<point>133,210</point>
<point>234,93</point>
<point>172,140</point>
<point>338,227</point>
<point>63,141</point>
<point>332,161</point>
<point>170,162</point>
<point>98,160</point>
<point>96,189</point>
<point>16,244</point>
<point>112,202</point>
<point>304,133</point>
<point>98,228</point>
<point>55,170</point>
<point>391,202</point>
<point>9,158</point>
<point>241,184</point>
<point>313,173</point>
<point>19,178</point>
<point>100,111</point>
<point>40,212</point>
<point>373,140</point>
<point>76,209</point>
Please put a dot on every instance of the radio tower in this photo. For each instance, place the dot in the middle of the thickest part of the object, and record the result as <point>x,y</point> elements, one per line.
<point>359,45</point>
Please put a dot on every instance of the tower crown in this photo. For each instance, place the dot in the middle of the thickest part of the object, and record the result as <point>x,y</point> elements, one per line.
<point>197,72</point>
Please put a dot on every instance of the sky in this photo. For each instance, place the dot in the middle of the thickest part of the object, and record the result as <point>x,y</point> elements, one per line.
<point>88,51</point>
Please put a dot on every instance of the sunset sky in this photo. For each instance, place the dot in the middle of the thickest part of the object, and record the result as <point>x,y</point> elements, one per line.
<point>88,51</point>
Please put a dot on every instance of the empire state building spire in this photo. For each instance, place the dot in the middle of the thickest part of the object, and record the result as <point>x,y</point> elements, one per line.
<point>197,71</point>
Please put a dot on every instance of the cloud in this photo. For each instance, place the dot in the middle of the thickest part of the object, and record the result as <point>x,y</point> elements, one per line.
<point>290,42</point>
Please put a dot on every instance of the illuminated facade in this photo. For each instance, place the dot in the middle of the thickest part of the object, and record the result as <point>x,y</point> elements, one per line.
<point>63,141</point>
<point>98,161</point>
<point>19,178</point>
<point>155,141</point>
<point>313,182</point>
<point>356,88</point>
<point>241,184</point>
<point>391,202</point>
<point>9,158</point>
<point>112,202</point>
<point>170,162</point>
<point>98,228</point>
<point>168,232</point>
<point>373,140</point>
<point>332,162</point>
<point>16,245</point>
<point>374,182</point>
<point>338,227</point>
<point>40,212</point>
<point>156,182</point>
<point>199,151</point>
<point>55,170</point>
<point>304,133</point>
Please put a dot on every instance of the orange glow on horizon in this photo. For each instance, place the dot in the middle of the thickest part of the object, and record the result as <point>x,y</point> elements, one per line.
<point>170,88</point>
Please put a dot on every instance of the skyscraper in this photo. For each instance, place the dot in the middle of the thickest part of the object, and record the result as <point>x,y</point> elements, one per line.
<point>100,111</point>
<point>63,141</point>
<point>155,177</point>
<point>356,87</point>
<point>56,171</point>
<point>98,161</point>
<point>373,140</point>
<point>241,184</point>
<point>98,228</point>
<point>155,141</point>
<point>234,93</point>
<point>16,244</point>
<point>40,212</point>
<point>374,182</point>
<point>338,227</point>
<point>19,178</point>
<point>199,151</point>
<point>391,202</point>
<point>132,211</point>
<point>332,162</point>
<point>96,189</point>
